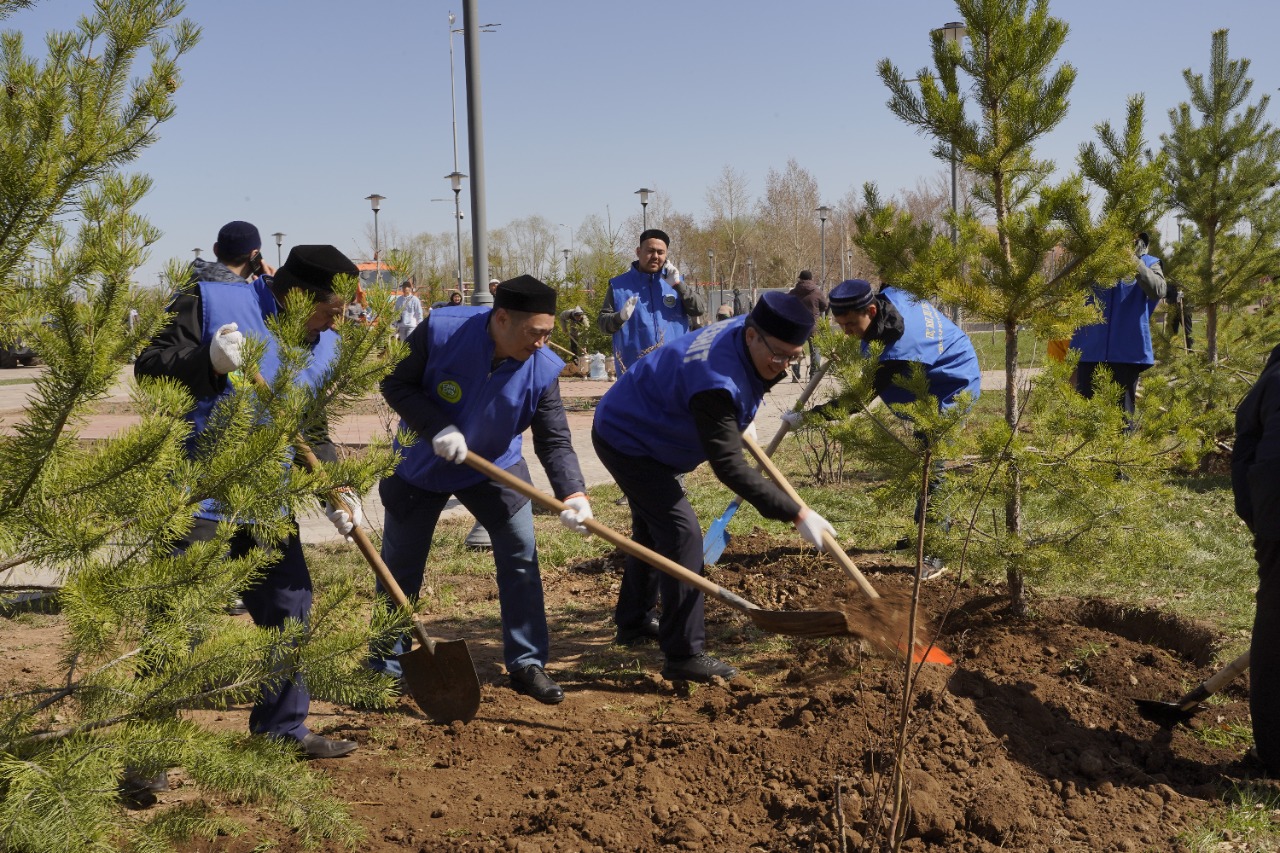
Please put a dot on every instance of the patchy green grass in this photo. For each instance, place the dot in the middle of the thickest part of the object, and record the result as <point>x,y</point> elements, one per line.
<point>1235,736</point>
<point>990,349</point>
<point>1250,821</point>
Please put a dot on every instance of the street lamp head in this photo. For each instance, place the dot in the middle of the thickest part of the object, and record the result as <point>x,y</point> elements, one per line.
<point>197,252</point>
<point>711,253</point>
<point>823,212</point>
<point>643,192</point>
<point>455,180</point>
<point>279,235</point>
<point>374,201</point>
<point>954,31</point>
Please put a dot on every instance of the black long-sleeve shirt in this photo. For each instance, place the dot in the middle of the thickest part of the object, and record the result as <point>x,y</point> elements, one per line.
<point>552,439</point>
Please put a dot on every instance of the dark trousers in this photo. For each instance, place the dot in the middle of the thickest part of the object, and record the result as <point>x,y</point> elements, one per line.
<point>1125,375</point>
<point>1264,656</point>
<point>283,592</point>
<point>661,520</point>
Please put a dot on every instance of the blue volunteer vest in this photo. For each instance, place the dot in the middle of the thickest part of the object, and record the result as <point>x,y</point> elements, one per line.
<point>646,412</point>
<point>248,305</point>
<point>1124,335</point>
<point>491,406</point>
<point>658,319</point>
<point>931,339</point>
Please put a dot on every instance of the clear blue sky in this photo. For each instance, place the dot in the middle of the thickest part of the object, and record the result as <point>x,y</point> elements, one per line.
<point>292,111</point>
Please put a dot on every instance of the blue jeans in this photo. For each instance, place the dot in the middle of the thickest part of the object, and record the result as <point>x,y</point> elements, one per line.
<point>411,516</point>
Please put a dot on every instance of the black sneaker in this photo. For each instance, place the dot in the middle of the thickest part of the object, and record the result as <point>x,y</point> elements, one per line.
<point>933,567</point>
<point>236,607</point>
<point>638,635</point>
<point>700,667</point>
<point>319,746</point>
<point>139,791</point>
<point>532,680</point>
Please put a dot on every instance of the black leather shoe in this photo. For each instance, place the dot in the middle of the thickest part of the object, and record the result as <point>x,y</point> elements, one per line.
<point>638,635</point>
<point>699,667</point>
<point>532,680</point>
<point>319,746</point>
<point>138,791</point>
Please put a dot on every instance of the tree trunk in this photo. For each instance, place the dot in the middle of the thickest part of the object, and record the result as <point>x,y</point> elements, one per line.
<point>1211,331</point>
<point>1013,503</point>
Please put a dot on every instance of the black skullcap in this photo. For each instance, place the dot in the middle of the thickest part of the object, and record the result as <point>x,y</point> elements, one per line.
<point>852,294</point>
<point>805,275</point>
<point>650,233</point>
<point>783,316</point>
<point>236,239</point>
<point>525,293</point>
<point>314,268</point>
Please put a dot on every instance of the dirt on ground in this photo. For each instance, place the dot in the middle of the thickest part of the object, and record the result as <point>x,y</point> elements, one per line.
<point>1031,741</point>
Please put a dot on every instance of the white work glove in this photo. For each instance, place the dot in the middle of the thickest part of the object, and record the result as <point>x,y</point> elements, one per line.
<point>793,419</point>
<point>624,313</point>
<point>672,273</point>
<point>579,510</point>
<point>224,349</point>
<point>348,518</point>
<point>811,527</point>
<point>450,445</point>
<point>750,432</point>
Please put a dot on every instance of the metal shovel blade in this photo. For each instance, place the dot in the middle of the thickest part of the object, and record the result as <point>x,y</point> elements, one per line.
<point>442,680</point>
<point>717,535</point>
<point>1171,714</point>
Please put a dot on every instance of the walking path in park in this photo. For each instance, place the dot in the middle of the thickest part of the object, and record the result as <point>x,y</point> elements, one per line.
<point>355,430</point>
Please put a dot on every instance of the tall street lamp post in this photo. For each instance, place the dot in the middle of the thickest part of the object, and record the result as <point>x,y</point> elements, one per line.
<point>823,213</point>
<point>848,256</point>
<point>566,263</point>
<point>279,235</point>
<point>455,180</point>
<point>751,280</point>
<point>375,201</point>
<point>711,262</point>
<point>644,192</point>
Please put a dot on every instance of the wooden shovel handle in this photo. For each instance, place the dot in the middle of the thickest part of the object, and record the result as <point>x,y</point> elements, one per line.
<point>371,555</point>
<point>833,547</point>
<point>653,558</point>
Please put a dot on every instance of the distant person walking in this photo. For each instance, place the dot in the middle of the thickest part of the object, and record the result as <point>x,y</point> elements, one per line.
<point>408,311</point>
<point>811,295</point>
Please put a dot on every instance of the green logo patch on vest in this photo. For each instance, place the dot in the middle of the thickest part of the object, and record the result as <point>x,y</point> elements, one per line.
<point>449,391</point>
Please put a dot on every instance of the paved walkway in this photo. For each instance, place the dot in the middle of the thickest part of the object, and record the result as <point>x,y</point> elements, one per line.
<point>356,429</point>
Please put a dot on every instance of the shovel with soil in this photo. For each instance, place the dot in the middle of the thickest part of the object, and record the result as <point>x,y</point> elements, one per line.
<point>1170,714</point>
<point>890,617</point>
<point>846,622</point>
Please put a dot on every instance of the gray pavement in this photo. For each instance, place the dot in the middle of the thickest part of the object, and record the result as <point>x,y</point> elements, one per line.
<point>356,429</point>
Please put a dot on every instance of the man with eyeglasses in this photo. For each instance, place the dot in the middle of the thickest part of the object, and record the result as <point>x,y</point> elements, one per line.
<point>474,380</point>
<point>913,332</point>
<point>683,404</point>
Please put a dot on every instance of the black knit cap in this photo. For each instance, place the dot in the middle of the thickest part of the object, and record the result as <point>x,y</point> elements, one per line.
<point>525,293</point>
<point>236,239</point>
<point>783,316</point>
<point>314,268</point>
<point>654,232</point>
<point>805,275</point>
<point>852,294</point>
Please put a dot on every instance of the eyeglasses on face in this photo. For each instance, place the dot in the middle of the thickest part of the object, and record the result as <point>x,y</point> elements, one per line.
<point>779,360</point>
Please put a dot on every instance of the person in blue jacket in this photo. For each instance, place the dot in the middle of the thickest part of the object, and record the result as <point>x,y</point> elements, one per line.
<point>913,332</point>
<point>1255,483</point>
<point>1122,341</point>
<point>225,302</point>
<point>649,305</point>
<point>474,380</point>
<point>683,404</point>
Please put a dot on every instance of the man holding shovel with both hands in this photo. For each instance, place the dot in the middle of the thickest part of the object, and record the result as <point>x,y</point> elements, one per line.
<point>683,404</point>
<point>474,380</point>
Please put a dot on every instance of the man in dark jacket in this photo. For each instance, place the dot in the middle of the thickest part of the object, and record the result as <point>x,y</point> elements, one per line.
<point>1255,482</point>
<point>474,380</point>
<point>649,305</point>
<point>225,302</point>
<point>812,297</point>
<point>684,404</point>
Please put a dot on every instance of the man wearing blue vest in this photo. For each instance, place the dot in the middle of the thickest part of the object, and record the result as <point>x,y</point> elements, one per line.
<point>912,332</point>
<point>1122,341</point>
<point>227,301</point>
<point>474,380</point>
<point>649,305</point>
<point>683,404</point>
